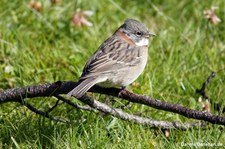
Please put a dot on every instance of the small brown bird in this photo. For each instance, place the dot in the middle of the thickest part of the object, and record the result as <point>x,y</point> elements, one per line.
<point>118,61</point>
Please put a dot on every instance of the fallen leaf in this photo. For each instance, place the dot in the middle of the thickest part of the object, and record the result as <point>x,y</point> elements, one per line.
<point>167,133</point>
<point>205,104</point>
<point>35,5</point>
<point>79,18</point>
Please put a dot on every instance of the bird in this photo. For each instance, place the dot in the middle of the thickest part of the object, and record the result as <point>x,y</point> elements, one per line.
<point>118,61</point>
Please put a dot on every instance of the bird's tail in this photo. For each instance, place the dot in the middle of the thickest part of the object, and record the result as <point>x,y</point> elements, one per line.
<point>83,87</point>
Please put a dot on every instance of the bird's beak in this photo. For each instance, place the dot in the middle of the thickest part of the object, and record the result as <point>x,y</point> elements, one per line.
<point>150,34</point>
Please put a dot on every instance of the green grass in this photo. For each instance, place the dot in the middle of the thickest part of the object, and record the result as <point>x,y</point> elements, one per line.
<point>45,47</point>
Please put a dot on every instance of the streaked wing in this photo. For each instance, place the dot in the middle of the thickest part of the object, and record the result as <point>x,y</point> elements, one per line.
<point>113,55</point>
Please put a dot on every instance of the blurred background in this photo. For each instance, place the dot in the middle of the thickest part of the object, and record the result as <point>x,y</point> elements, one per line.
<point>45,41</point>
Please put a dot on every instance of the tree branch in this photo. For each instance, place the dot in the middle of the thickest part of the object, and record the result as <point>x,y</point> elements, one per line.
<point>73,104</point>
<point>46,114</point>
<point>217,106</point>
<point>204,85</point>
<point>136,119</point>
<point>52,89</point>
<point>53,107</point>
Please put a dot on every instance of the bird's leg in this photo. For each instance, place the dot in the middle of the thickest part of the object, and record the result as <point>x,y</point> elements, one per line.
<point>126,105</point>
<point>109,101</point>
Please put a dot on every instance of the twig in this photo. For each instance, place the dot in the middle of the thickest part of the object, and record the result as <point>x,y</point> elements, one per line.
<point>73,104</point>
<point>189,113</point>
<point>45,114</point>
<point>217,106</point>
<point>136,119</point>
<point>42,90</point>
<point>53,107</point>
<point>204,85</point>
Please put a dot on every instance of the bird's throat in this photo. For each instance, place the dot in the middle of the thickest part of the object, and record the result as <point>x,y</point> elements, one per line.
<point>143,42</point>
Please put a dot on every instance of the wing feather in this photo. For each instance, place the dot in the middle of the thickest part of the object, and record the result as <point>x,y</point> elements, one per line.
<point>113,55</point>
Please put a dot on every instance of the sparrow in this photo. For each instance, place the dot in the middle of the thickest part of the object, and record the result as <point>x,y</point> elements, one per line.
<point>118,61</point>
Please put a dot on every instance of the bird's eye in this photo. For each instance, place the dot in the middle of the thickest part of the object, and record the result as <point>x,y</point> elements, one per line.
<point>138,34</point>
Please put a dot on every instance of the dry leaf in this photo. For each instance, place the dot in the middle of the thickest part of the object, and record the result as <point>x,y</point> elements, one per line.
<point>167,133</point>
<point>35,5</point>
<point>79,18</point>
<point>205,104</point>
<point>55,1</point>
<point>211,16</point>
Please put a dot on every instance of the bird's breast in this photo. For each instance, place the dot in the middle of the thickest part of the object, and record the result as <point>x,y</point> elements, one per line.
<point>131,73</point>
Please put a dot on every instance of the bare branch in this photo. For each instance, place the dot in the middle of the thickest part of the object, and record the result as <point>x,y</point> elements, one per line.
<point>204,85</point>
<point>45,114</point>
<point>73,104</point>
<point>136,119</point>
<point>175,108</point>
<point>15,95</point>
<point>217,106</point>
<point>41,90</point>
<point>53,107</point>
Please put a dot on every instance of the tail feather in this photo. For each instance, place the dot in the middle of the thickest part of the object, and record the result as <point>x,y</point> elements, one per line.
<point>82,88</point>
